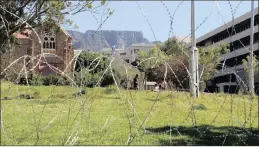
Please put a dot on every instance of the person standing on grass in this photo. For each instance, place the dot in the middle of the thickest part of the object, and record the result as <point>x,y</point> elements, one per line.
<point>135,82</point>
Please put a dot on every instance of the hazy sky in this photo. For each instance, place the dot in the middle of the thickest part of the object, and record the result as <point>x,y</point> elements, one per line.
<point>128,16</point>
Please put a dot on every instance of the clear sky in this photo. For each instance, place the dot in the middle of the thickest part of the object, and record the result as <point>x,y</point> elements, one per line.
<point>129,17</point>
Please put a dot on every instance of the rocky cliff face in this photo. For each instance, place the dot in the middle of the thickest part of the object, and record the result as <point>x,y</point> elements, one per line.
<point>95,41</point>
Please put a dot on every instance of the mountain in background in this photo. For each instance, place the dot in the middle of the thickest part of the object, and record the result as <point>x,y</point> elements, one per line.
<point>96,40</point>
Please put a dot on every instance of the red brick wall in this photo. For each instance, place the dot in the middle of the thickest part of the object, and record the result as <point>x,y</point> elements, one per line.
<point>33,47</point>
<point>22,48</point>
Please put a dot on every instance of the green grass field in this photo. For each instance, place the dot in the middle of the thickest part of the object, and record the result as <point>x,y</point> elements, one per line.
<point>57,117</point>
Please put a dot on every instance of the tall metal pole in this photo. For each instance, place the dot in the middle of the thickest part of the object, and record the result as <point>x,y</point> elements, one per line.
<point>251,62</point>
<point>193,76</point>
<point>196,54</point>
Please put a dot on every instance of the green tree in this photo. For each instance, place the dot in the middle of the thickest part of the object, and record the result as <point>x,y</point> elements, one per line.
<point>149,61</point>
<point>173,47</point>
<point>209,59</point>
<point>255,65</point>
<point>178,59</point>
<point>90,68</point>
<point>152,58</point>
<point>177,75</point>
<point>95,62</point>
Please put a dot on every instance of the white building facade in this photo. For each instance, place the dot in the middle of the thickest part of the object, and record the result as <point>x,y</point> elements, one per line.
<point>130,54</point>
<point>231,76</point>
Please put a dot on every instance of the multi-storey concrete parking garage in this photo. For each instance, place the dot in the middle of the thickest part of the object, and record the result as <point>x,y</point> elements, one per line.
<point>231,76</point>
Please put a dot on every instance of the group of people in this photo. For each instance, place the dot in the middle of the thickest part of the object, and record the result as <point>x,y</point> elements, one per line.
<point>157,86</point>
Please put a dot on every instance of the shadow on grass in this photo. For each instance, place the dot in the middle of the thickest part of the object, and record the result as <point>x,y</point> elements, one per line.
<point>208,135</point>
<point>153,100</point>
<point>47,102</point>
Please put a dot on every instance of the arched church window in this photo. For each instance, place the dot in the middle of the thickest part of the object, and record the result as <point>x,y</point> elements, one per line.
<point>49,38</point>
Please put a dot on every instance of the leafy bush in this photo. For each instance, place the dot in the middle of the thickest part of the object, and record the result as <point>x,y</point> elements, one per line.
<point>26,96</point>
<point>23,79</point>
<point>63,81</point>
<point>90,80</point>
<point>50,80</point>
<point>87,79</point>
<point>125,83</point>
<point>199,107</point>
<point>255,65</point>
<point>179,76</point>
<point>36,80</point>
<point>110,89</point>
<point>55,80</point>
<point>107,80</point>
<point>87,60</point>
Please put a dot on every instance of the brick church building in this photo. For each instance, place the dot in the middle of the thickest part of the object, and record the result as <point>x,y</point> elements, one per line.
<point>49,50</point>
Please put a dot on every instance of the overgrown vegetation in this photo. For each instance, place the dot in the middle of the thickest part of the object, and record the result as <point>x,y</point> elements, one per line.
<point>110,89</point>
<point>255,65</point>
<point>58,117</point>
<point>199,107</point>
<point>92,68</point>
<point>209,60</point>
<point>176,54</point>
<point>38,80</point>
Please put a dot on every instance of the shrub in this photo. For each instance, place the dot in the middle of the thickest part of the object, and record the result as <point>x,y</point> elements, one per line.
<point>25,96</point>
<point>36,80</point>
<point>179,76</point>
<point>60,80</point>
<point>87,61</point>
<point>36,94</point>
<point>107,80</point>
<point>93,79</point>
<point>89,80</point>
<point>55,80</point>
<point>50,80</point>
<point>23,81</point>
<point>199,107</point>
<point>125,83</point>
<point>110,89</point>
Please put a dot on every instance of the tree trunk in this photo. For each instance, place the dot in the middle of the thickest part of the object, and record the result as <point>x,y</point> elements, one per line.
<point>144,84</point>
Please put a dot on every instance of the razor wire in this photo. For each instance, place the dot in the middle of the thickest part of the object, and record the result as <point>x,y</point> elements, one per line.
<point>72,133</point>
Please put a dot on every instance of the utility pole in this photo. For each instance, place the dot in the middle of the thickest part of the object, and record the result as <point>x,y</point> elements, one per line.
<point>196,54</point>
<point>193,57</point>
<point>251,62</point>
